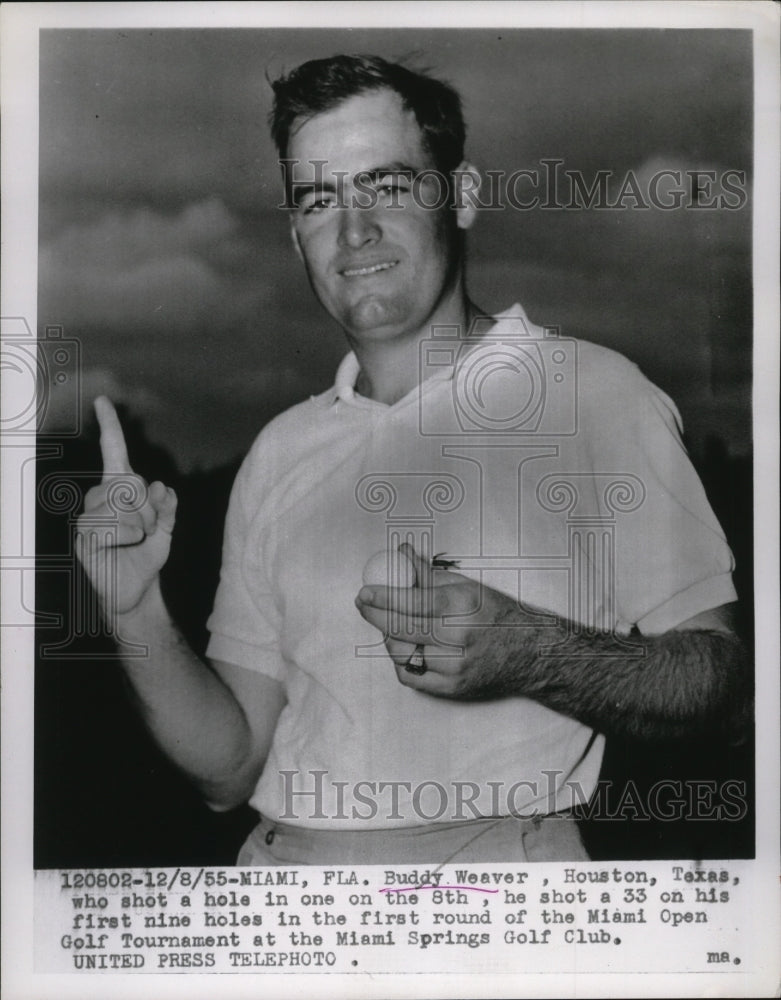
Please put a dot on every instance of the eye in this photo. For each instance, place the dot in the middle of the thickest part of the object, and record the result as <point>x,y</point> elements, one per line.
<point>390,186</point>
<point>315,204</point>
<point>391,192</point>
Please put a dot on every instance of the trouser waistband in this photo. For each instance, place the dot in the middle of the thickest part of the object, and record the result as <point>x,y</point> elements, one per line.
<point>494,839</point>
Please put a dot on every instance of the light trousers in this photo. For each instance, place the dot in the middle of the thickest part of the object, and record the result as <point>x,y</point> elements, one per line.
<point>493,840</point>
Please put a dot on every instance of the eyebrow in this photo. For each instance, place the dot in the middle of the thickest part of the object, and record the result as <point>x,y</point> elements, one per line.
<point>397,167</point>
<point>370,175</point>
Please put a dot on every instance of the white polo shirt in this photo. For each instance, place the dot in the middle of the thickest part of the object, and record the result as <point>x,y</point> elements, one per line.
<point>549,469</point>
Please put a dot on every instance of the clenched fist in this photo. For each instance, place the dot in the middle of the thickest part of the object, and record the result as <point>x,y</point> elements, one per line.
<point>124,535</point>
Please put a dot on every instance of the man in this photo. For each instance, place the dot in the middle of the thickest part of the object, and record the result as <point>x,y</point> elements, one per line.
<point>584,586</point>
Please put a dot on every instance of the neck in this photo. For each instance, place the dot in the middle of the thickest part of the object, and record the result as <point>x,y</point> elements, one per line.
<point>390,369</point>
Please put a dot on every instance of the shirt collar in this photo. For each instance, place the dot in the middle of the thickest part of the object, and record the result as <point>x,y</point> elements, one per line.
<point>349,367</point>
<point>346,377</point>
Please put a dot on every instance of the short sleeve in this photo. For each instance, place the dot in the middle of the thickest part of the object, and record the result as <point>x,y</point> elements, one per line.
<point>672,560</point>
<point>245,622</point>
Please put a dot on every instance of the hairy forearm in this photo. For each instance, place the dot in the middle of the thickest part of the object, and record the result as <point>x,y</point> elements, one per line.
<point>192,715</point>
<point>675,685</point>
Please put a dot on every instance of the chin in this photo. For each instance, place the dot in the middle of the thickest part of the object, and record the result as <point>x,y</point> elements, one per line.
<point>373,318</point>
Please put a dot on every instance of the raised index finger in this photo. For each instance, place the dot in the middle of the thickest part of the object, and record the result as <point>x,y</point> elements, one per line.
<point>112,440</point>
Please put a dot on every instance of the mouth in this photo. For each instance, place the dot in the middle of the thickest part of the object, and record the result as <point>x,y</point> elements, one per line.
<point>367,269</point>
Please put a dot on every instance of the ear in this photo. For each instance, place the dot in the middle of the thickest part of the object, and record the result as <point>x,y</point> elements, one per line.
<point>295,239</point>
<point>467,189</point>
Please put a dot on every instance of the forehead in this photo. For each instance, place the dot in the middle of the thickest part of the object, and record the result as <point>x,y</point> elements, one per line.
<point>362,132</point>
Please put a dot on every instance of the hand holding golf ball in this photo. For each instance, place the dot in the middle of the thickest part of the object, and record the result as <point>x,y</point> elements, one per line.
<point>389,568</point>
<point>434,623</point>
<point>404,569</point>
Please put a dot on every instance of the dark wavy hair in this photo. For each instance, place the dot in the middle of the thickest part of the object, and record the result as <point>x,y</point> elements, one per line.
<point>322,84</point>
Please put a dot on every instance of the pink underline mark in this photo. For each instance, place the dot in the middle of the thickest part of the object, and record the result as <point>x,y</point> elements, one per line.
<point>418,888</point>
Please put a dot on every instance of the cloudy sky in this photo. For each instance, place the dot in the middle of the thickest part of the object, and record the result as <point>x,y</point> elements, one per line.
<point>163,251</point>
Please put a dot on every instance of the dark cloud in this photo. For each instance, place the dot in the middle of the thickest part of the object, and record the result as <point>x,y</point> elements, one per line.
<point>135,269</point>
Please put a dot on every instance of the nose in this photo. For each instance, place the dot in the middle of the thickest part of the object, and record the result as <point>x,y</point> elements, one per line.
<point>357,227</point>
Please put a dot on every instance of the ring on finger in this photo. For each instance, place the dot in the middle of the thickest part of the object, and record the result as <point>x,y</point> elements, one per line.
<point>416,664</point>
